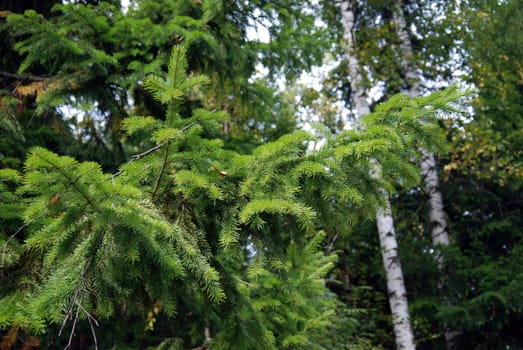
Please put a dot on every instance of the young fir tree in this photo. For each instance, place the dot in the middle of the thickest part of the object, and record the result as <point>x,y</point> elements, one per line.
<point>96,54</point>
<point>142,241</point>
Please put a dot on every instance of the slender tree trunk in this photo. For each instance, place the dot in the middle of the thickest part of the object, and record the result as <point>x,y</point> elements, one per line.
<point>413,80</point>
<point>395,285</point>
<point>389,247</point>
<point>429,171</point>
<point>437,214</point>
<point>359,95</point>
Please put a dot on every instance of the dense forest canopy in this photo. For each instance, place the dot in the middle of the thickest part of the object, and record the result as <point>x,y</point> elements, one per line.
<point>157,191</point>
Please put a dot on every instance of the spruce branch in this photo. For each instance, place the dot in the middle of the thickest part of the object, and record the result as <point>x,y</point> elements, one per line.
<point>72,181</point>
<point>177,64</point>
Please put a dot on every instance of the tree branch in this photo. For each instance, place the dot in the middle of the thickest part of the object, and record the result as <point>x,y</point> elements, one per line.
<point>18,230</point>
<point>149,151</point>
<point>74,183</point>
<point>4,246</point>
<point>24,77</point>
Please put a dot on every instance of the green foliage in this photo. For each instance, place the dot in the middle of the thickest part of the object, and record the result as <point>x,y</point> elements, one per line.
<point>209,233</point>
<point>484,268</point>
<point>128,239</point>
<point>9,124</point>
<point>301,271</point>
<point>288,297</point>
<point>494,42</point>
<point>89,228</point>
<point>103,240</point>
<point>189,225</point>
<point>10,208</point>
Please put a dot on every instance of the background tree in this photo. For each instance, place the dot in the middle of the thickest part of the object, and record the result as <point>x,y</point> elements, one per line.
<point>486,164</point>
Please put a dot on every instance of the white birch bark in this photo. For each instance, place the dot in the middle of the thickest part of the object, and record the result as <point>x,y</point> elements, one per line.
<point>429,172</point>
<point>359,95</point>
<point>437,214</point>
<point>413,80</point>
<point>395,284</point>
<point>387,235</point>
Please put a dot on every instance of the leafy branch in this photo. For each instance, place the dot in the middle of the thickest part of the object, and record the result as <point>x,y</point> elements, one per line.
<point>39,152</point>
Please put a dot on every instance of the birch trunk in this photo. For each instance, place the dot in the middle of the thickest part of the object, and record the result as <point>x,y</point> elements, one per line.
<point>429,172</point>
<point>395,285</point>
<point>389,248</point>
<point>437,214</point>
<point>359,95</point>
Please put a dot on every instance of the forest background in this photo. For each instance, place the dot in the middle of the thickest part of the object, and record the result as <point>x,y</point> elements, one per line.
<point>157,192</point>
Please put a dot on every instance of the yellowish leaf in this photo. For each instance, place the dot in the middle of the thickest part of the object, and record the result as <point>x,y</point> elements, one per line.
<point>31,89</point>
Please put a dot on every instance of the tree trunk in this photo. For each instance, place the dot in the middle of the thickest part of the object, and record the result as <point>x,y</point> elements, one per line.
<point>359,95</point>
<point>412,77</point>
<point>389,247</point>
<point>437,214</point>
<point>429,171</point>
<point>395,285</point>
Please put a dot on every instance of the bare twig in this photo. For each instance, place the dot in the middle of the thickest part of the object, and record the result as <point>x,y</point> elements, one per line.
<point>91,320</point>
<point>23,77</point>
<point>68,346</point>
<point>149,151</point>
<point>89,316</point>
<point>71,306</point>
<point>18,230</point>
<point>76,301</point>
<point>137,157</point>
<point>4,246</point>
<point>93,332</point>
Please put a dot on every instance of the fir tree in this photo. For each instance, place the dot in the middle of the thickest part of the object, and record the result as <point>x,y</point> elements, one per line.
<point>140,239</point>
